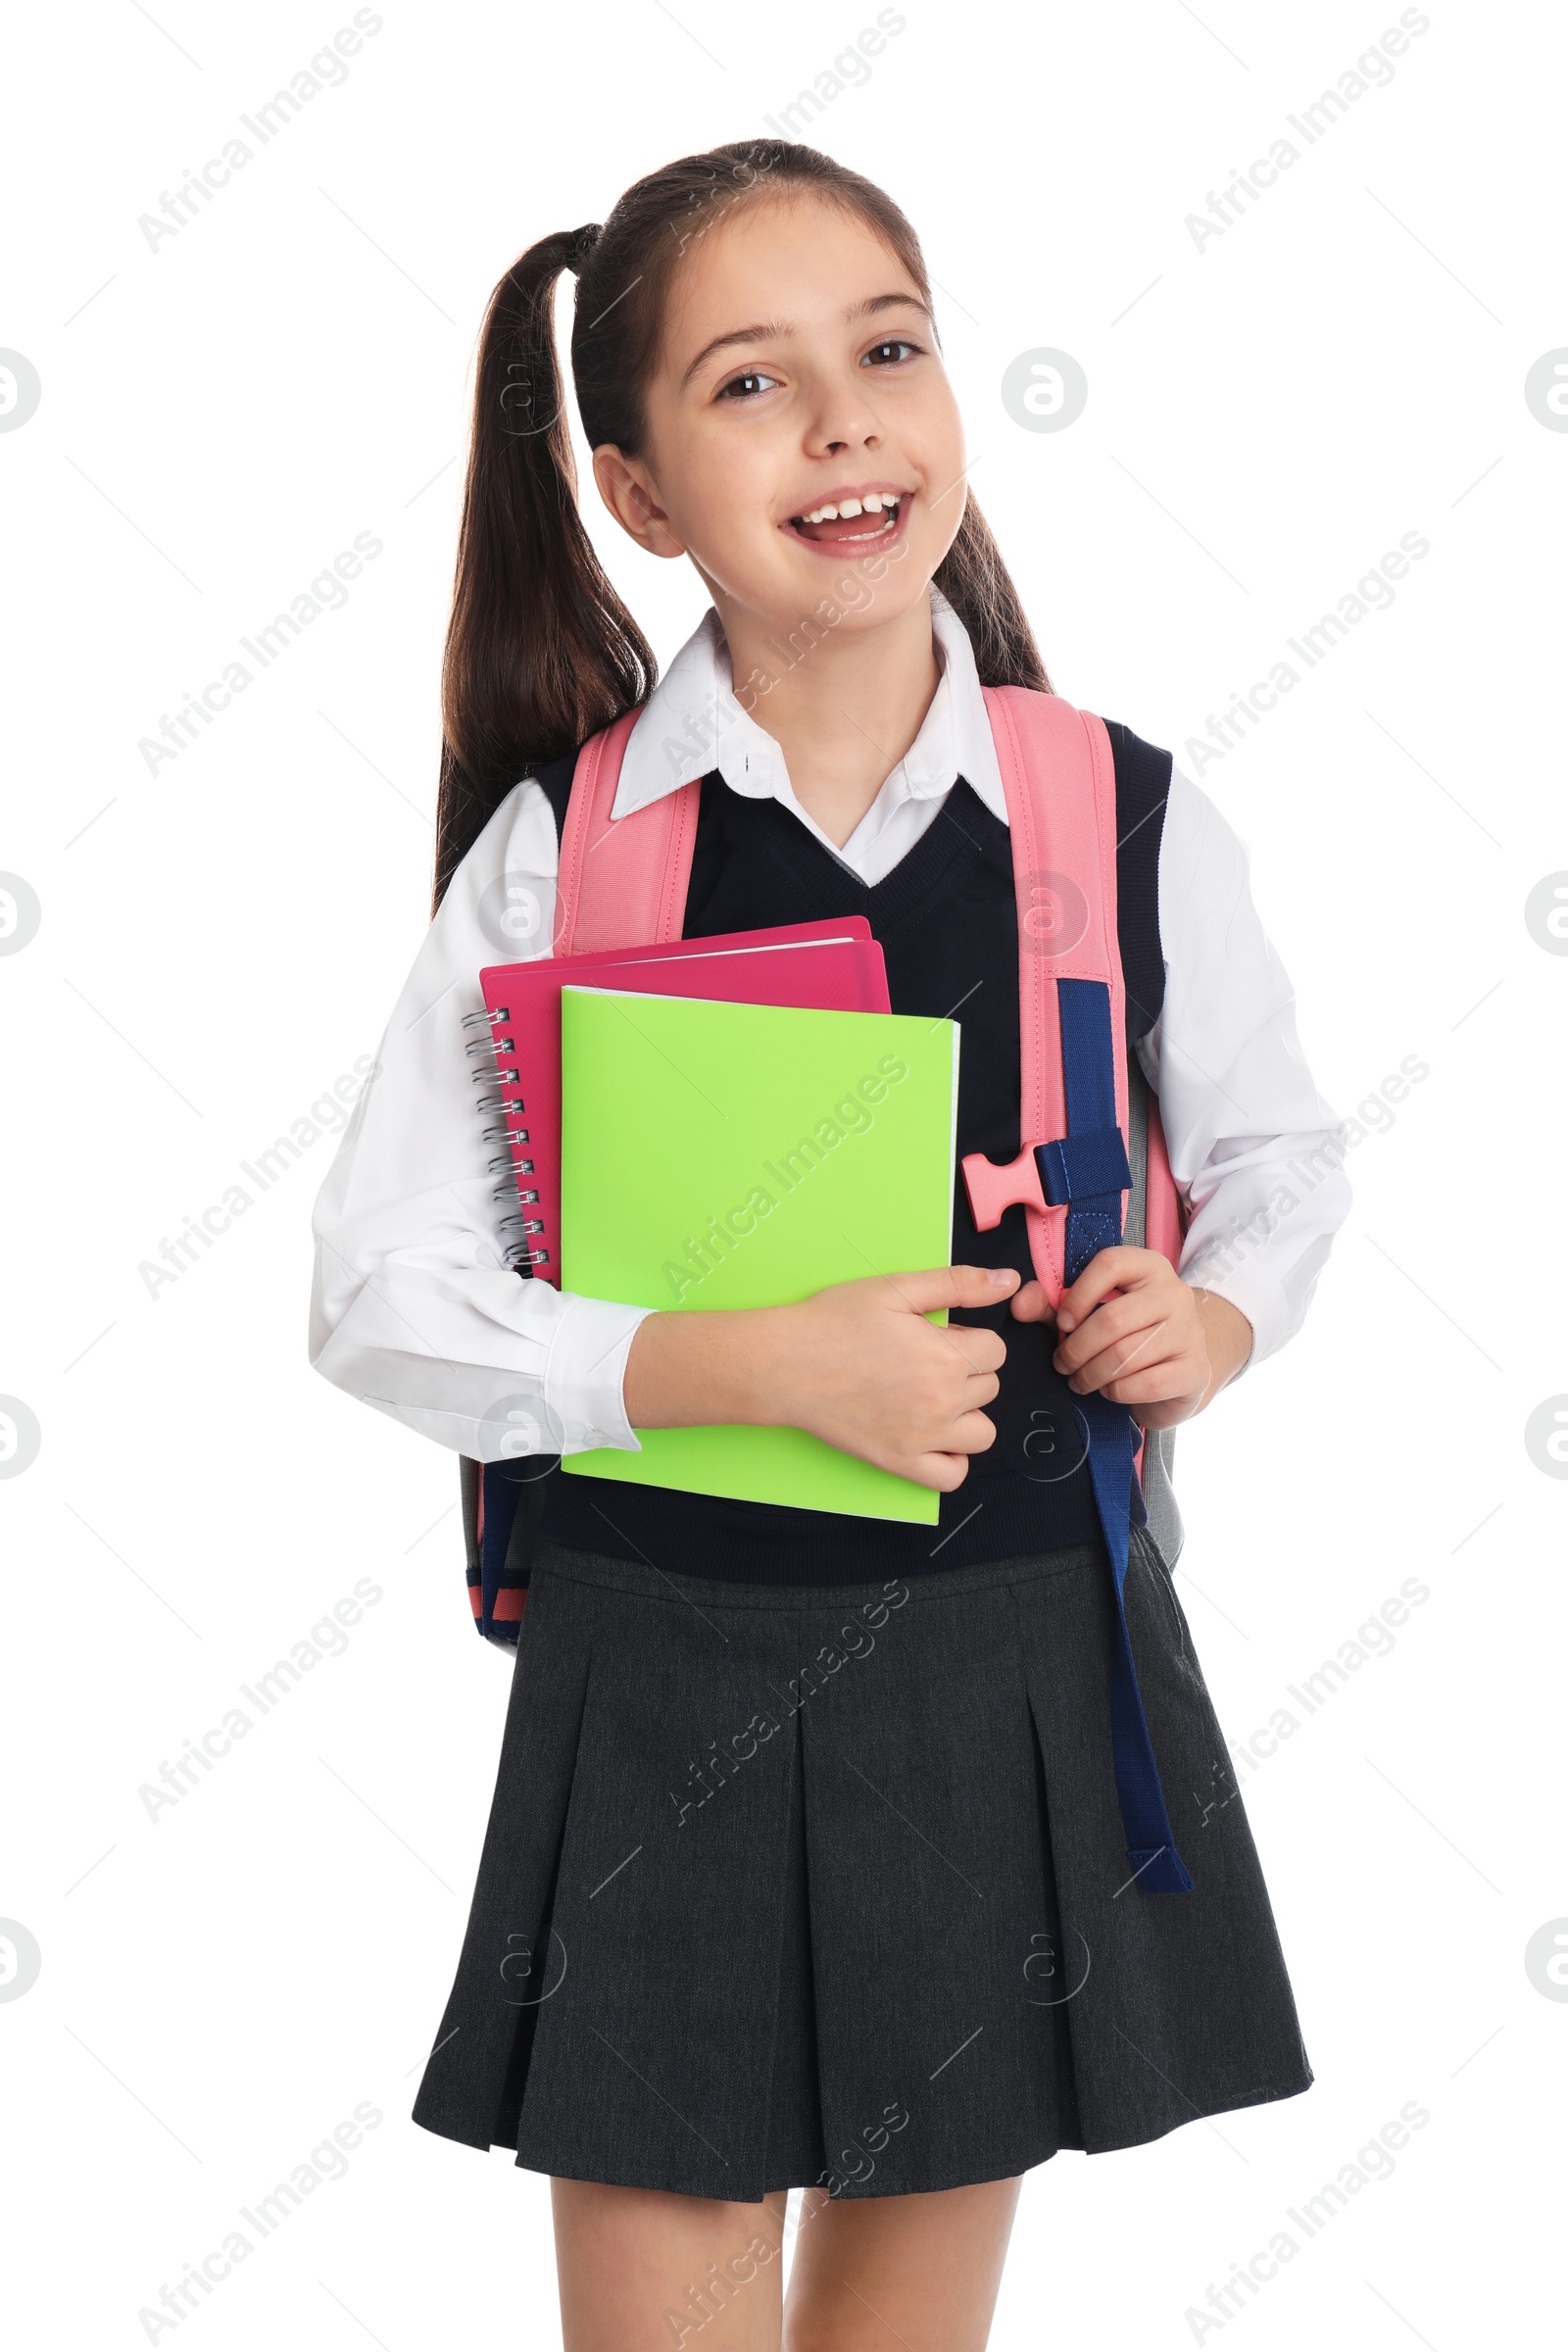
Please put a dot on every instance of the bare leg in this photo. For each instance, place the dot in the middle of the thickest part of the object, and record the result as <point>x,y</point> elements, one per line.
<point>642,2270</point>
<point>873,2272</point>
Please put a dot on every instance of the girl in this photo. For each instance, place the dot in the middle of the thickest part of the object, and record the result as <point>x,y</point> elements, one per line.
<point>804,1863</point>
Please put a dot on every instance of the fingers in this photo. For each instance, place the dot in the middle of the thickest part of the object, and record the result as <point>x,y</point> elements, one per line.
<point>1147,1368</point>
<point>1118,1269</point>
<point>1133,1352</point>
<point>1110,1323</point>
<point>944,1471</point>
<point>975,1432</point>
<point>976,1388</point>
<point>982,1286</point>
<point>1168,1413</point>
<point>1184,1380</point>
<point>933,1287</point>
<point>1030,1306</point>
<point>985,1351</point>
<point>1117,1324</point>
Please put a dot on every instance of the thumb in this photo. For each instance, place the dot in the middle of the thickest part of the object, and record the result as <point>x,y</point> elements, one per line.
<point>953,1286</point>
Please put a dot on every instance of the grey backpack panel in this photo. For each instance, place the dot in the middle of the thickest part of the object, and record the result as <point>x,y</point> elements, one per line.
<point>1160,1445</point>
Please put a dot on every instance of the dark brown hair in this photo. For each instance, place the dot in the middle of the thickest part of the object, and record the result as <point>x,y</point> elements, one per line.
<point>540,651</point>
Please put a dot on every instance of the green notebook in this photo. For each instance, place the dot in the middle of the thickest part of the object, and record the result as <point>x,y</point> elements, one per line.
<point>717,1155</point>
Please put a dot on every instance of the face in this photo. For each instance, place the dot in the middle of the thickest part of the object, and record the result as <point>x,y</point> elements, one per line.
<point>799,375</point>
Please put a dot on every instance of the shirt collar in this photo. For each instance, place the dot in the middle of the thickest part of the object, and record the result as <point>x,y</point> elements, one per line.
<point>692,725</point>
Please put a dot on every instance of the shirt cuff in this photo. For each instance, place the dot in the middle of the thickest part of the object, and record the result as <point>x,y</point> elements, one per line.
<point>1256,1294</point>
<point>583,1375</point>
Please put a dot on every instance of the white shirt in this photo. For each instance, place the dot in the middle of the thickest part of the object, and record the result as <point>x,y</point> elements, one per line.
<point>414,1308</point>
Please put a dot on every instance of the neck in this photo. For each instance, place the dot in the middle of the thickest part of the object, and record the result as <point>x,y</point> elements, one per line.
<point>846,711</point>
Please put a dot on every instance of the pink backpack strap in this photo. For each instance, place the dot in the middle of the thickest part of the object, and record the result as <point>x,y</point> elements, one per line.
<point>1072,1175</point>
<point>1060,778</point>
<point>621,884</point>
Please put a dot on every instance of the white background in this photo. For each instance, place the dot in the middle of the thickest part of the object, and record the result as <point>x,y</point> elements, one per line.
<point>1266,415</point>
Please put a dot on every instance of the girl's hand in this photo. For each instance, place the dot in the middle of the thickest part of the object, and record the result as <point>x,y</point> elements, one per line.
<point>1131,1327</point>
<point>857,1365</point>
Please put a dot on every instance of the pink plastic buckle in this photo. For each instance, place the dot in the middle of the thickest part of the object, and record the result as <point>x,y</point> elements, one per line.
<point>993,1189</point>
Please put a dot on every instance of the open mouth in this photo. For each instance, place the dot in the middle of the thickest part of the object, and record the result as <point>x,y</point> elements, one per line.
<point>859,523</point>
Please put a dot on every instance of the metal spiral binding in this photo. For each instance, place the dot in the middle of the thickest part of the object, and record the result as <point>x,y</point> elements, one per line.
<point>489,1051</point>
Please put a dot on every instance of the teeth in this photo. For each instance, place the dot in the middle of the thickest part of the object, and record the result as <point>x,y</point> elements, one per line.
<point>848,508</point>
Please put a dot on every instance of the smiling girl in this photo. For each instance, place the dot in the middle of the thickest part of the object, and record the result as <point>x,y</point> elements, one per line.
<point>805,1865</point>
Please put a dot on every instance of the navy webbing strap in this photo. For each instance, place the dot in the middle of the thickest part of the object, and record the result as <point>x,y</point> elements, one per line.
<point>1090,1171</point>
<point>503,1493</point>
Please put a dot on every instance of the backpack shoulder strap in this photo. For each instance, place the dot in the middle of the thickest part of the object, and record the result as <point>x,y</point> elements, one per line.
<point>1071,1174</point>
<point>621,884</point>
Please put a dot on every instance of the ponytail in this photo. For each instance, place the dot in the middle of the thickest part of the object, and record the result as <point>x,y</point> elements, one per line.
<point>540,651</point>
<point>977,584</point>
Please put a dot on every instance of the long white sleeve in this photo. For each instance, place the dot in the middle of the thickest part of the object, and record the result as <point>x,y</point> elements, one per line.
<point>1252,1141</point>
<point>412,1307</point>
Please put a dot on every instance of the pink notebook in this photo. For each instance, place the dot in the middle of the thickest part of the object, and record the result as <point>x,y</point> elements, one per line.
<point>833,966</point>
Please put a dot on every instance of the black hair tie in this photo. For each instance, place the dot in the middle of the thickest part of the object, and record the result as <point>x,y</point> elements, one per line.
<point>583,241</point>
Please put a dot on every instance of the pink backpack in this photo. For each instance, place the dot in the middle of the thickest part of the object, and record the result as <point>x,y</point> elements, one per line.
<point>624,884</point>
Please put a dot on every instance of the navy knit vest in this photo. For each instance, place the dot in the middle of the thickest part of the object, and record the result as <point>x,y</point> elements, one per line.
<point>946,917</point>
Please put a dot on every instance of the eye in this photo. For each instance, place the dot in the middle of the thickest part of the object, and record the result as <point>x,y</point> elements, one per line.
<point>889,355</point>
<point>747,386</point>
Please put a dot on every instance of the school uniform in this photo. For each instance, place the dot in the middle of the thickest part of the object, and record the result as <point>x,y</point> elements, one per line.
<point>804,1860</point>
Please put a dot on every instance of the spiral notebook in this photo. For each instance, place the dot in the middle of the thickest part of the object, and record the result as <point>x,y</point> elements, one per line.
<point>516,1040</point>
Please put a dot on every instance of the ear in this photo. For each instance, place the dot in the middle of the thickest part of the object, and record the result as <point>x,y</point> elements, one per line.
<point>627,489</point>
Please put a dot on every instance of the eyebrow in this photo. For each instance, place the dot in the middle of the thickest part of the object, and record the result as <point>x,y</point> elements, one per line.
<point>775,330</point>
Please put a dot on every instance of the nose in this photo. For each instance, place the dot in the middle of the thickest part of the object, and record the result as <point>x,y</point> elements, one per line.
<point>845,420</point>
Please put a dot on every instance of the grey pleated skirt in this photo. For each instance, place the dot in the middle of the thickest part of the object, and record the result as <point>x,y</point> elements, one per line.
<point>799,1886</point>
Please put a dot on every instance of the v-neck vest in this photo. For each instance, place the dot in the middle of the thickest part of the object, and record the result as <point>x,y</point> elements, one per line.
<point>946,917</point>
